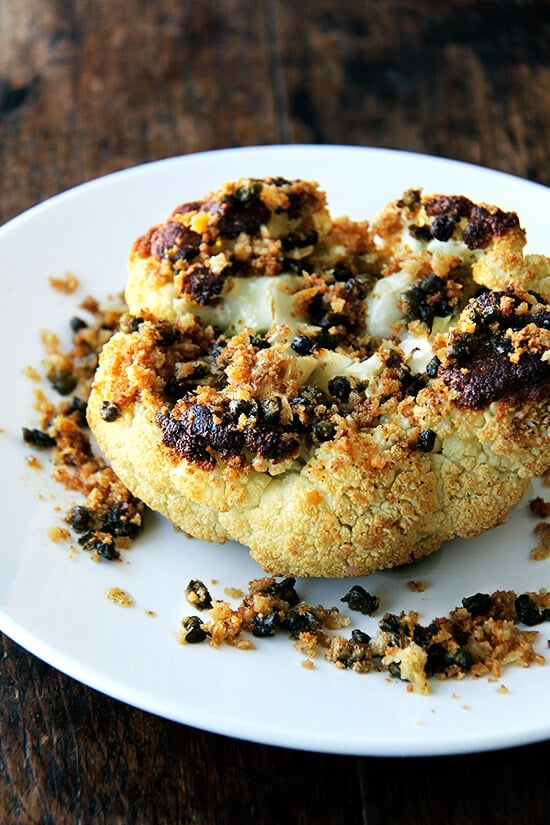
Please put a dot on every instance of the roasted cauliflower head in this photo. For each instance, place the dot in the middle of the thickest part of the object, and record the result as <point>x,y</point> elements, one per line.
<point>338,397</point>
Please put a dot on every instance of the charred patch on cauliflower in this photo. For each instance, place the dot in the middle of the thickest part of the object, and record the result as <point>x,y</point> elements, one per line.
<point>498,351</point>
<point>482,224</point>
<point>199,434</point>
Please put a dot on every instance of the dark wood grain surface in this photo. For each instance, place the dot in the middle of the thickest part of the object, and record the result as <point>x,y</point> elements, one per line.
<point>92,86</point>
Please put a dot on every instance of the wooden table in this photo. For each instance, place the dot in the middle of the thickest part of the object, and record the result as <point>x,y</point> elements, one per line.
<point>92,86</point>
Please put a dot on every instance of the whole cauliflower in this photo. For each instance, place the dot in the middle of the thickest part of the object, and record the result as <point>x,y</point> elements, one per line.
<point>338,397</point>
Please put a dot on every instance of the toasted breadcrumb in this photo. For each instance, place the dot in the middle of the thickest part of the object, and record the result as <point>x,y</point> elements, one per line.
<point>307,644</point>
<point>233,592</point>
<point>31,373</point>
<point>542,550</point>
<point>59,534</point>
<point>120,597</point>
<point>68,284</point>
<point>416,586</point>
<point>242,644</point>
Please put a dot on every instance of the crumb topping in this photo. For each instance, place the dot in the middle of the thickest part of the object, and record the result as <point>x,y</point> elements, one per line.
<point>67,285</point>
<point>120,597</point>
<point>107,517</point>
<point>478,638</point>
<point>542,550</point>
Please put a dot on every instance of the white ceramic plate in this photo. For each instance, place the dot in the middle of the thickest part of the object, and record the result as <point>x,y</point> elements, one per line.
<point>56,607</point>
